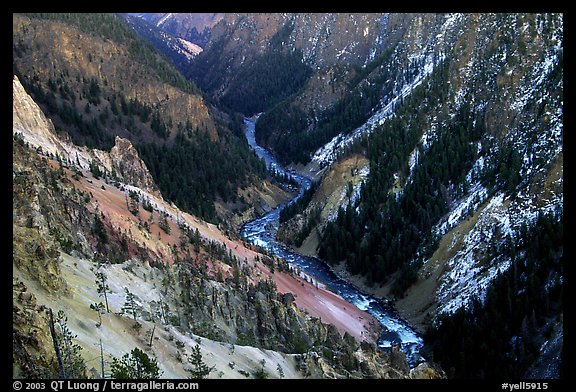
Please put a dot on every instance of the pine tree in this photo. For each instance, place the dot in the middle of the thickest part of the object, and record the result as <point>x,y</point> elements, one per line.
<point>130,305</point>
<point>102,287</point>
<point>200,370</point>
<point>163,223</point>
<point>95,170</point>
<point>135,366</point>
<point>261,373</point>
<point>280,371</point>
<point>99,308</point>
<point>72,361</point>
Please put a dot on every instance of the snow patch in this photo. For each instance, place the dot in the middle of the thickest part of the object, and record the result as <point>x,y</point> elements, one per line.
<point>327,154</point>
<point>163,19</point>
<point>191,49</point>
<point>363,175</point>
<point>471,271</point>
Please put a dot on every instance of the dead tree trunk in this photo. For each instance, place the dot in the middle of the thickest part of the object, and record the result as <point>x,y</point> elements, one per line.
<point>102,359</point>
<point>152,336</point>
<point>56,346</point>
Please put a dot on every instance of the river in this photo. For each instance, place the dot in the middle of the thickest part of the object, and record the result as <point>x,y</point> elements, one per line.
<point>262,232</point>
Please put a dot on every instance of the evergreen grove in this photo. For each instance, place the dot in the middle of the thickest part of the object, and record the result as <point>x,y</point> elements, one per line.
<point>501,337</point>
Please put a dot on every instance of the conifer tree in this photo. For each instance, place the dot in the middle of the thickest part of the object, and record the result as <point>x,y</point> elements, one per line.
<point>135,366</point>
<point>98,308</point>
<point>102,287</point>
<point>130,305</point>
<point>199,370</point>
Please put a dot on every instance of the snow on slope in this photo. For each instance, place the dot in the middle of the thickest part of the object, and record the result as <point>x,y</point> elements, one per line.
<point>163,19</point>
<point>328,153</point>
<point>470,272</point>
<point>344,198</point>
<point>503,216</point>
<point>497,217</point>
<point>191,48</point>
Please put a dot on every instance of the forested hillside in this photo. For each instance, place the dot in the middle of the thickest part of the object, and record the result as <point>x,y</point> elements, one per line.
<point>96,79</point>
<point>461,119</point>
<point>260,82</point>
<point>449,156</point>
<point>426,156</point>
<point>525,303</point>
<point>465,148</point>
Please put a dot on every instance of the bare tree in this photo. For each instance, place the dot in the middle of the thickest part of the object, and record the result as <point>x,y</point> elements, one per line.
<point>56,346</point>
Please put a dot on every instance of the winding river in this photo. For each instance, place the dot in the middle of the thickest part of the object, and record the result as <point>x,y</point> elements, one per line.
<point>262,232</point>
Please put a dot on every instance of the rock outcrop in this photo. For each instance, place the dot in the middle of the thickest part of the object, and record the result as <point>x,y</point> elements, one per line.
<point>28,119</point>
<point>31,343</point>
<point>128,166</point>
<point>39,131</point>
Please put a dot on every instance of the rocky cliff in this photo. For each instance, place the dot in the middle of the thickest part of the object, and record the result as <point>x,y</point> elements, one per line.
<point>27,117</point>
<point>38,131</point>
<point>130,168</point>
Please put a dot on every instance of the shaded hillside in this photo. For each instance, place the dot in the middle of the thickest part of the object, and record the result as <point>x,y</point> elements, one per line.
<point>352,91</point>
<point>194,27</point>
<point>350,71</point>
<point>259,81</point>
<point>177,50</point>
<point>285,44</point>
<point>425,158</point>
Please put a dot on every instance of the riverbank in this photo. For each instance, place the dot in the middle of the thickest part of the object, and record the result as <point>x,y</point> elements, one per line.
<point>415,308</point>
<point>330,308</point>
<point>308,248</point>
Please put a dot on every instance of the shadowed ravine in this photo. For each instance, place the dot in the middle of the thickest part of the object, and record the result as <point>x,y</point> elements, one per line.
<point>262,232</point>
